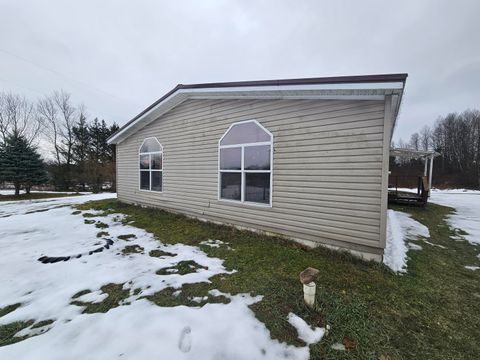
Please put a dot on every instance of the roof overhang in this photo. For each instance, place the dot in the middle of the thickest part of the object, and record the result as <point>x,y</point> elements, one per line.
<point>369,87</point>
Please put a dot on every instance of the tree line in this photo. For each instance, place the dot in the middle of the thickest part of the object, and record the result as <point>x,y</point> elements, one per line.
<point>75,152</point>
<point>456,137</point>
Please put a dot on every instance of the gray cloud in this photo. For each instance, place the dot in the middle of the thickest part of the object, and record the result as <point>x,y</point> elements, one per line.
<point>119,56</point>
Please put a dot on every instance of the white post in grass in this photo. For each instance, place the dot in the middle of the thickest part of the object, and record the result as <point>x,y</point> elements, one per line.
<point>426,163</point>
<point>307,278</point>
<point>309,294</point>
<point>430,175</point>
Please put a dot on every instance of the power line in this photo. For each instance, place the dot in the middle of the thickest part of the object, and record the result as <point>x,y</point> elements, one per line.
<point>58,73</point>
<point>23,87</point>
<point>113,117</point>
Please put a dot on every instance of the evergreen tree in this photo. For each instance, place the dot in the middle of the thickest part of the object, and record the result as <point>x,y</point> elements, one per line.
<point>20,164</point>
<point>36,171</point>
<point>80,151</point>
<point>101,164</point>
<point>96,173</point>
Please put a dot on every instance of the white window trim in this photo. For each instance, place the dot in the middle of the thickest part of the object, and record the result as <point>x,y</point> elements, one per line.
<point>242,201</point>
<point>149,165</point>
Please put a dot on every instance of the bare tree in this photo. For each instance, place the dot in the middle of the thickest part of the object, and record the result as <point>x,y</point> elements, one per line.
<point>415,141</point>
<point>457,138</point>
<point>18,116</point>
<point>67,122</point>
<point>48,113</point>
<point>425,138</point>
<point>61,117</point>
<point>401,144</point>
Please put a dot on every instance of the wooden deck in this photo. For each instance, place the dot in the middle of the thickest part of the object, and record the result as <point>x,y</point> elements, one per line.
<point>420,198</point>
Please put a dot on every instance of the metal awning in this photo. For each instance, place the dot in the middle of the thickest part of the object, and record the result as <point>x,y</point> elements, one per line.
<point>413,153</point>
<point>418,154</point>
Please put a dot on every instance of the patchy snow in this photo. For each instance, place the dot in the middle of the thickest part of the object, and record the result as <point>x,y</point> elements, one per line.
<point>213,243</point>
<point>12,192</point>
<point>457,238</point>
<point>338,346</point>
<point>137,328</point>
<point>467,210</point>
<point>142,329</point>
<point>22,207</point>
<point>435,245</point>
<point>93,297</point>
<point>401,228</point>
<point>410,190</point>
<point>413,246</point>
<point>472,267</point>
<point>199,299</point>
<point>305,332</point>
<point>455,191</point>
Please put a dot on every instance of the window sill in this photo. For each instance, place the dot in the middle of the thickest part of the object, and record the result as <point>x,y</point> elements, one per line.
<point>151,191</point>
<point>245,203</point>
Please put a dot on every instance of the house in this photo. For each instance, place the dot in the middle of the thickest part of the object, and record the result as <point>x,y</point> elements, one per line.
<point>303,158</point>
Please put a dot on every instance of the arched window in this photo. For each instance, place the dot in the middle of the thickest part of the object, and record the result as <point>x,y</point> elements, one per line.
<point>245,163</point>
<point>151,165</point>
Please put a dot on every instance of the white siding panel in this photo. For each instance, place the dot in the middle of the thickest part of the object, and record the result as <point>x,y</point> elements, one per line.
<point>327,167</point>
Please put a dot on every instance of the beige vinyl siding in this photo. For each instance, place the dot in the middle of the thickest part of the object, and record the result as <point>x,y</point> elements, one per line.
<point>327,167</point>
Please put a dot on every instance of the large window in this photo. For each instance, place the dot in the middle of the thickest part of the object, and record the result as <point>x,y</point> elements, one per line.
<point>151,165</point>
<point>245,163</point>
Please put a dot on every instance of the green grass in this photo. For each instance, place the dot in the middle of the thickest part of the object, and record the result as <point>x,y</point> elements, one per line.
<point>159,253</point>
<point>181,268</point>
<point>80,293</point>
<point>34,196</point>
<point>89,215</point>
<point>115,292</point>
<point>42,323</point>
<point>126,237</point>
<point>8,309</point>
<point>430,312</point>
<point>132,249</point>
<point>167,297</point>
<point>7,332</point>
<point>101,225</point>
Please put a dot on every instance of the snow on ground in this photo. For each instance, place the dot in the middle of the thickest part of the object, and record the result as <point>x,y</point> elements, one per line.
<point>401,228</point>
<point>467,210</point>
<point>435,245</point>
<point>404,189</point>
<point>472,267</point>
<point>466,217</point>
<point>12,192</point>
<point>93,297</point>
<point>213,243</point>
<point>413,246</point>
<point>9,208</point>
<point>305,332</point>
<point>138,329</point>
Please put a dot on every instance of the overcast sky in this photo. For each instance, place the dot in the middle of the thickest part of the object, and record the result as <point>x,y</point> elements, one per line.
<point>117,57</point>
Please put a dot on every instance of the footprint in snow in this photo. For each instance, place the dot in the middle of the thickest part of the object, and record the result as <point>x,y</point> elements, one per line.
<point>185,341</point>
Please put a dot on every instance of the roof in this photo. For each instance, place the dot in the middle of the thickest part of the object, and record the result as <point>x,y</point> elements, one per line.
<point>361,87</point>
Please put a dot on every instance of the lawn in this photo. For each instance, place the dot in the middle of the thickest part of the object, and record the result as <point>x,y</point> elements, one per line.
<point>431,312</point>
